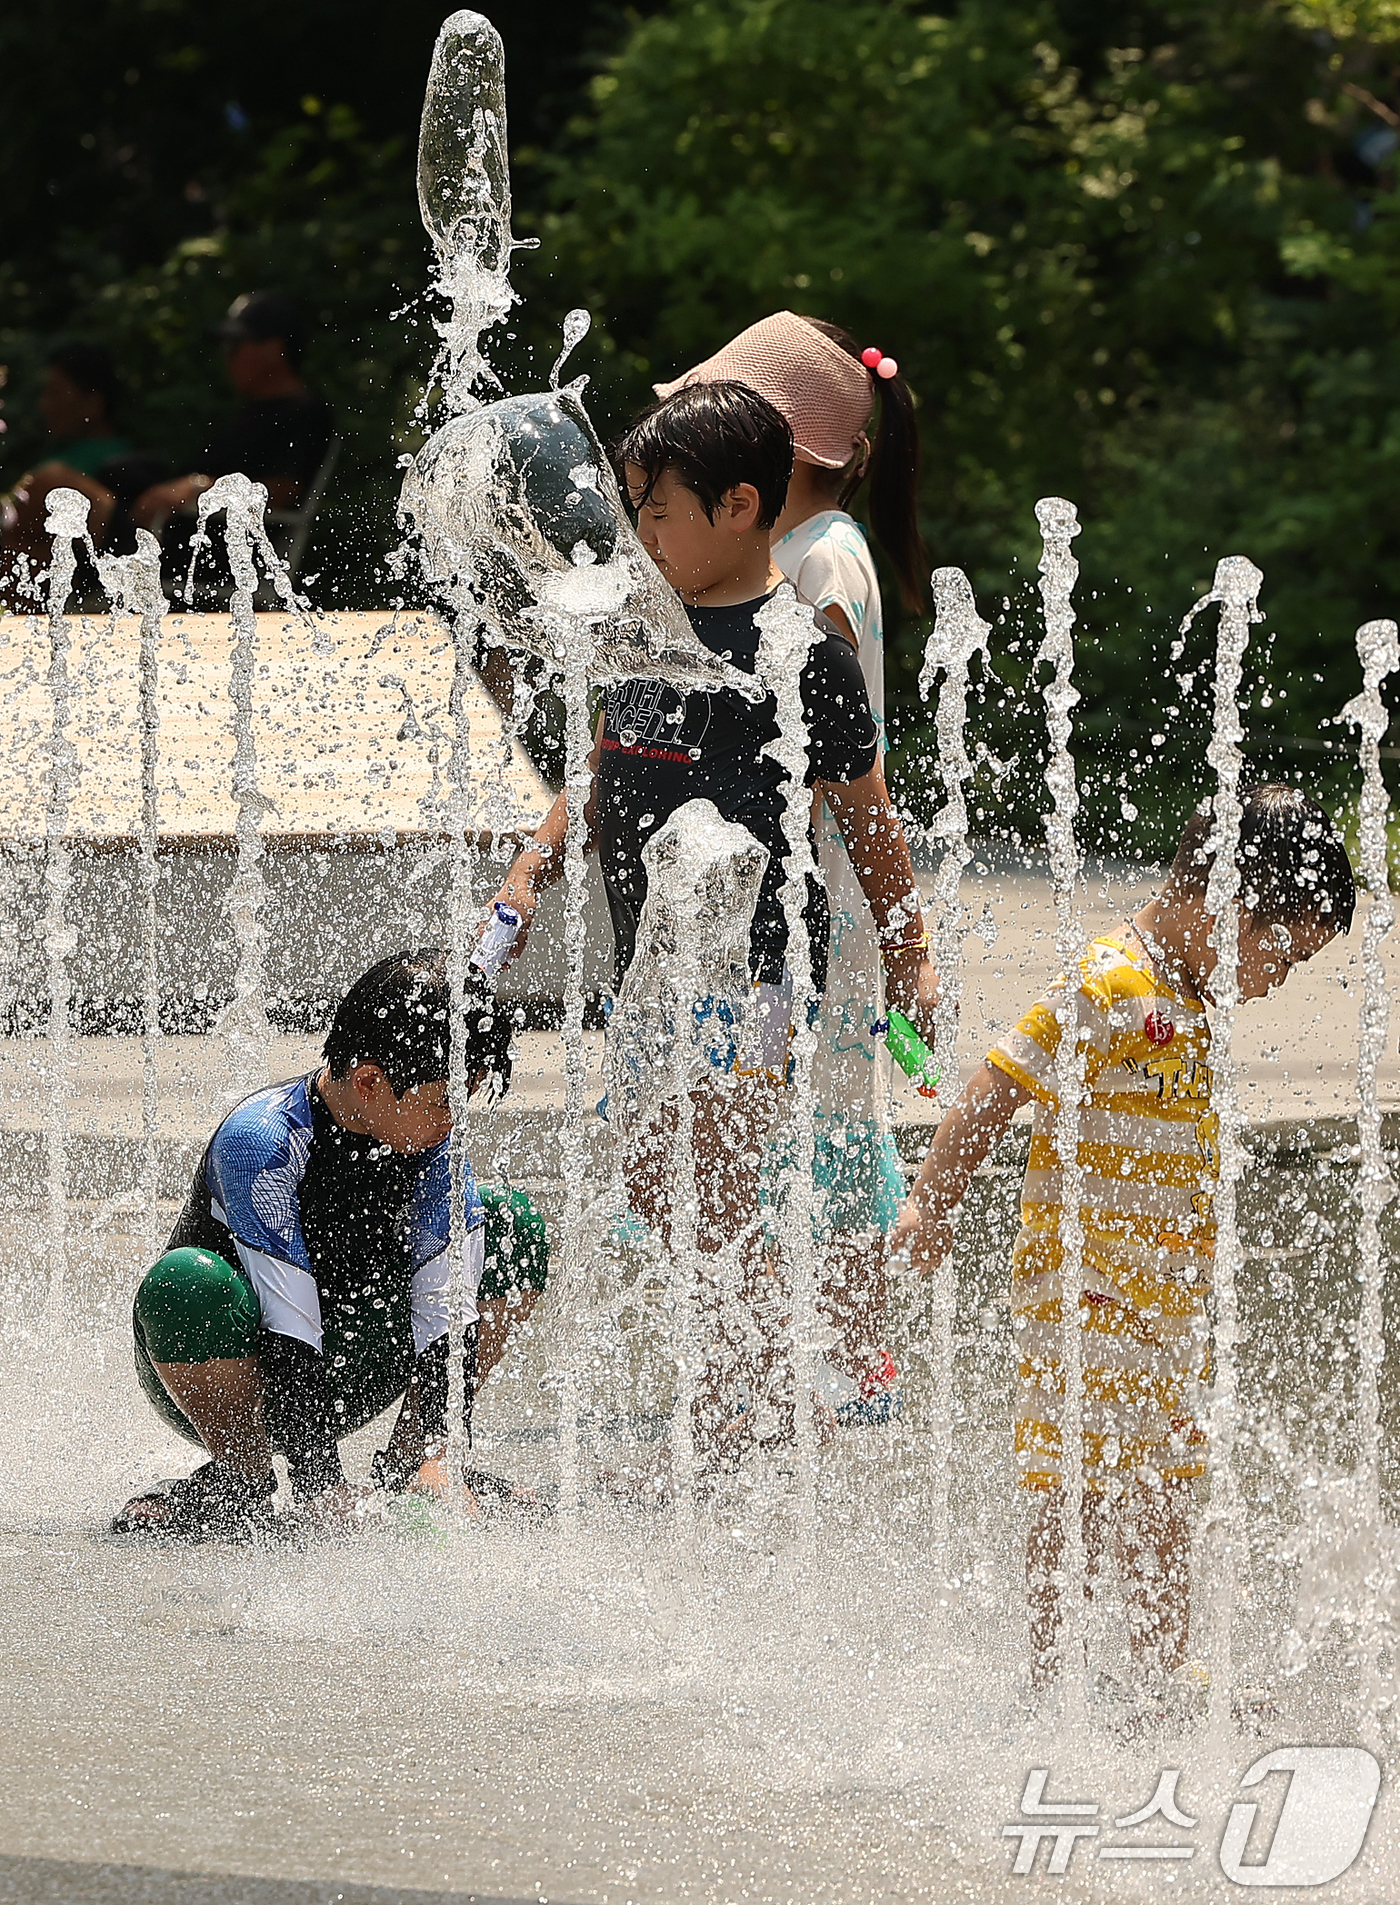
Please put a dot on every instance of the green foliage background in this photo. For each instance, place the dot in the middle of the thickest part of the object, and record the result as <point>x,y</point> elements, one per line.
<point>1147,257</point>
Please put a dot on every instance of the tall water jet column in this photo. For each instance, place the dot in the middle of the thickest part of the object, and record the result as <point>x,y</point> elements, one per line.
<point>464,202</point>
<point>522,525</point>
<point>1378,647</point>
<point>461,940</point>
<point>1059,571</point>
<point>572,1143</point>
<point>67,523</point>
<point>958,634</point>
<point>1237,586</point>
<point>133,586</point>
<point>787,634</point>
<point>244,1025</point>
<point>464,193</point>
<point>702,880</point>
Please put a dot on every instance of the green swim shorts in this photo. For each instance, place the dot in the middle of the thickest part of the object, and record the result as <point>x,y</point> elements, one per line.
<point>194,1306</point>
<point>517,1245</point>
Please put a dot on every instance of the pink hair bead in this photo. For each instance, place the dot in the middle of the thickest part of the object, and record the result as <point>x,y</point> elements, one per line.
<point>887,367</point>
<point>870,358</point>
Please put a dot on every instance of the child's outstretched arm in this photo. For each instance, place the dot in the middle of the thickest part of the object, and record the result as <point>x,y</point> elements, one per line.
<point>541,863</point>
<point>879,856</point>
<point>970,1128</point>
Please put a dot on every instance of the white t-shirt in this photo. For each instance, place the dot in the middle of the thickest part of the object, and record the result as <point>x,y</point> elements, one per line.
<point>828,561</point>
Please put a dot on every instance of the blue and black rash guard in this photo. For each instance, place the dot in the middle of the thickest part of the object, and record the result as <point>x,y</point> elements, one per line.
<point>347,1244</point>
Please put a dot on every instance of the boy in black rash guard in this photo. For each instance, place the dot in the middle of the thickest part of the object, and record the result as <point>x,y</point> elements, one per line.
<point>707,472</point>
<point>305,1286</point>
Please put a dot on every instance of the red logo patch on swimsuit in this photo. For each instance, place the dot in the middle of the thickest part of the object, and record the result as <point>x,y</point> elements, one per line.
<point>1159,1031</point>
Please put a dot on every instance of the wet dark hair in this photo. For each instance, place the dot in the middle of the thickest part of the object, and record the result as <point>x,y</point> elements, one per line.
<point>713,436</point>
<point>893,475</point>
<point>1293,865</point>
<point>90,368</point>
<point>398,1016</point>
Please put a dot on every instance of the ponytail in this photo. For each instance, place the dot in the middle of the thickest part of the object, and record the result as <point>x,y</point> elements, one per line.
<point>893,470</point>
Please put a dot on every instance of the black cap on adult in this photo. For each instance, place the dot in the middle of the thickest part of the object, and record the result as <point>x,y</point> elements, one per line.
<point>262,314</point>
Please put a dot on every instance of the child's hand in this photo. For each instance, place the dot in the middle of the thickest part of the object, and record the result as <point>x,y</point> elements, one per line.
<point>921,1237</point>
<point>434,1481</point>
<point>520,895</point>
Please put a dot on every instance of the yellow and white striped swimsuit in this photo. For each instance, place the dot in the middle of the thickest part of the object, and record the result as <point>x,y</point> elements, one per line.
<point>1148,1151</point>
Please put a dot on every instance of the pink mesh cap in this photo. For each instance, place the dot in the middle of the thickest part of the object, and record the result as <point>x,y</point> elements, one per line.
<point>825,393</point>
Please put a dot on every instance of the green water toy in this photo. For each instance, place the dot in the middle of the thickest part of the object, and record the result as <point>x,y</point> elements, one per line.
<point>412,1518</point>
<point>909,1051</point>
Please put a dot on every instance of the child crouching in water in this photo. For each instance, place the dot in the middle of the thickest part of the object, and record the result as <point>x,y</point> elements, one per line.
<point>1149,1157</point>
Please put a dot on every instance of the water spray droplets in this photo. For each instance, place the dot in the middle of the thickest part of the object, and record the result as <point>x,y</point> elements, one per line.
<point>1236,589</point>
<point>244,1025</point>
<point>959,634</point>
<point>575,329</point>
<point>133,585</point>
<point>67,523</point>
<point>1378,650</point>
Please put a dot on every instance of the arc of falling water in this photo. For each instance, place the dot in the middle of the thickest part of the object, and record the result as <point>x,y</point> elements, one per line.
<point>1378,648</point>
<point>464,202</point>
<point>132,584</point>
<point>787,633</point>
<point>958,634</point>
<point>1059,571</point>
<point>1236,589</point>
<point>243,504</point>
<point>67,523</point>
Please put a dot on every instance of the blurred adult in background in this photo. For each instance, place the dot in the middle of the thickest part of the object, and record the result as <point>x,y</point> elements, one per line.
<point>280,433</point>
<point>76,400</point>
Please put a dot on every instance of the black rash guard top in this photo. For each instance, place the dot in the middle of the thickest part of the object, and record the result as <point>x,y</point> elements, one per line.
<point>661,749</point>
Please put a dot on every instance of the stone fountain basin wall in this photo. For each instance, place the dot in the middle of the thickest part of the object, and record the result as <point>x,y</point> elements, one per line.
<point>353,728</point>
<point>333,907</point>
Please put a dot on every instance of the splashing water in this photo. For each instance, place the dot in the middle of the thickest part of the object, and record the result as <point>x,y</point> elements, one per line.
<point>694,935</point>
<point>573,331</point>
<point>523,531</point>
<point>1236,589</point>
<point>67,523</point>
<point>464,192</point>
<point>958,634</point>
<point>1378,650</point>
<point>133,587</point>
<point>572,1154</point>
<point>243,505</point>
<point>520,517</point>
<point>787,635</point>
<point>461,921</point>
<point>703,877</point>
<point>1059,571</point>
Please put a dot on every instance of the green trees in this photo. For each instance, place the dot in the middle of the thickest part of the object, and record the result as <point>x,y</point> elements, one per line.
<point>160,156</point>
<point>1127,254</point>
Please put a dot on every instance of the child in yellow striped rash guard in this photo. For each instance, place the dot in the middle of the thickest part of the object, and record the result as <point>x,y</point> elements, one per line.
<point>1147,1150</point>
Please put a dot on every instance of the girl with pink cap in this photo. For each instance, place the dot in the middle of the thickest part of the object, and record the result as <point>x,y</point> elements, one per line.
<point>827,386</point>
